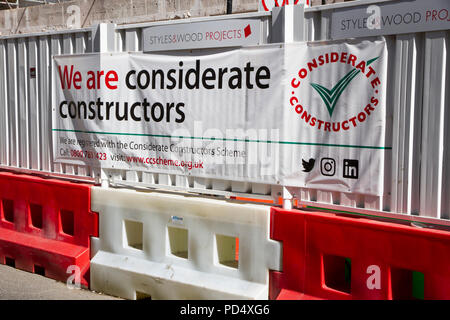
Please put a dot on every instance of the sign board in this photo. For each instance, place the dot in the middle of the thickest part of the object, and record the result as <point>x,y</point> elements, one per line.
<point>300,115</point>
<point>396,17</point>
<point>197,35</point>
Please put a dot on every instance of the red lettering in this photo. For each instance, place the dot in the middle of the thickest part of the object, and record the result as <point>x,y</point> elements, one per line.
<point>293,100</point>
<point>77,80</point>
<point>445,16</point>
<point>320,123</point>
<point>111,76</point>
<point>306,116</point>
<point>302,73</point>
<point>99,75</point>
<point>65,78</point>
<point>362,66</point>
<point>361,117</point>
<point>352,59</point>
<point>374,101</point>
<point>336,126</point>
<point>95,79</point>
<point>375,82</point>
<point>91,80</point>
<point>434,14</point>
<point>293,84</point>
<point>371,72</point>
<point>368,108</point>
<point>345,127</point>
<point>334,56</point>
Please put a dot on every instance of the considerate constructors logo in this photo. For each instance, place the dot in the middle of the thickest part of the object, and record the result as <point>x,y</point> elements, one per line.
<point>360,70</point>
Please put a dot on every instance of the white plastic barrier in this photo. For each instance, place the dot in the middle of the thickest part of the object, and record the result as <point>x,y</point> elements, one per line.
<point>181,247</point>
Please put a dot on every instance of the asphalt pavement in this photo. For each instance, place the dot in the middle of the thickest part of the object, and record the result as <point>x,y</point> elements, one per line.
<point>20,285</point>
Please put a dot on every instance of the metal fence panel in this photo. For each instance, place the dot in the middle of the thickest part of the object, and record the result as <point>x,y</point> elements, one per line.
<point>417,175</point>
<point>25,93</point>
<point>4,127</point>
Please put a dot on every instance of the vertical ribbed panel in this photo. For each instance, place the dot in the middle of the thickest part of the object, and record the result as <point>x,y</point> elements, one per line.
<point>44,85</point>
<point>25,91</point>
<point>417,175</point>
<point>445,201</point>
<point>432,160</point>
<point>34,112</point>
<point>4,124</point>
<point>12,103</point>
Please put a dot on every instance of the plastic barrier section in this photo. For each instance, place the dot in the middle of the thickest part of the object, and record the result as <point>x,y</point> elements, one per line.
<point>45,226</point>
<point>334,257</point>
<point>181,247</point>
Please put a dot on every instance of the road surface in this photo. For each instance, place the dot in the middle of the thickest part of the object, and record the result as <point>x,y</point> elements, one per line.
<point>20,285</point>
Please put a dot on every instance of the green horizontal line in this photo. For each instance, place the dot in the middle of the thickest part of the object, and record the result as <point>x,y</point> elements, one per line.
<point>227,139</point>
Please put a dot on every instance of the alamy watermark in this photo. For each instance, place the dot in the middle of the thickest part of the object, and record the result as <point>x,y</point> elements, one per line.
<point>374,19</point>
<point>74,280</point>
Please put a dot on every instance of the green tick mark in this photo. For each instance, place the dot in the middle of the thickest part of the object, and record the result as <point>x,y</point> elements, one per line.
<point>330,97</point>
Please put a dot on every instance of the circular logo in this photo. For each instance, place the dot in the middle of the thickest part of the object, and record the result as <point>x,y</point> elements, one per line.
<point>358,70</point>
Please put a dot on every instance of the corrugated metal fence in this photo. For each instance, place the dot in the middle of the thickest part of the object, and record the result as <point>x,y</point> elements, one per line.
<point>417,175</point>
<point>25,96</point>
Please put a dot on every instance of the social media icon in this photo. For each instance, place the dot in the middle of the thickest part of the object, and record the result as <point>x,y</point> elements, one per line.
<point>328,167</point>
<point>351,168</point>
<point>308,165</point>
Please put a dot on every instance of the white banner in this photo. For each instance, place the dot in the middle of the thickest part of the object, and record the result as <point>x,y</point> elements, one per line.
<point>337,114</point>
<point>254,114</point>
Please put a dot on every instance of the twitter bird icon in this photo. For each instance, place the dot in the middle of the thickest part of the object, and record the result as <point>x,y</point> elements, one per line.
<point>308,165</point>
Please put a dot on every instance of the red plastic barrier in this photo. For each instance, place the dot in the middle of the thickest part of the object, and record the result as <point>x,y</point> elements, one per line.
<point>45,225</point>
<point>333,257</point>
